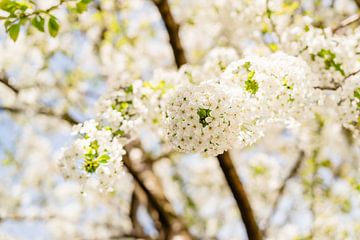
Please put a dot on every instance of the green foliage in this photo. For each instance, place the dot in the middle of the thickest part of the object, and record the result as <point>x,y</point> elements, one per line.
<point>203,113</point>
<point>13,31</point>
<point>357,96</point>
<point>161,86</point>
<point>121,106</point>
<point>39,23</point>
<point>103,158</point>
<point>250,84</point>
<point>82,5</point>
<point>129,89</point>
<point>19,13</point>
<point>14,8</point>
<point>92,160</point>
<point>53,26</point>
<point>329,60</point>
<point>357,93</point>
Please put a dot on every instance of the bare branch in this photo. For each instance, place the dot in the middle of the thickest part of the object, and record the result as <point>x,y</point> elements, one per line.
<point>5,80</point>
<point>357,3</point>
<point>347,21</point>
<point>173,31</point>
<point>240,196</point>
<point>292,173</point>
<point>336,86</point>
<point>134,206</point>
<point>150,184</point>
<point>66,117</point>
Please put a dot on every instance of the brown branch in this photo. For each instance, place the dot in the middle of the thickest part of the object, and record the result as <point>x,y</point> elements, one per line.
<point>66,117</point>
<point>173,31</point>
<point>128,236</point>
<point>336,86</point>
<point>292,173</point>
<point>347,21</point>
<point>240,196</point>
<point>150,184</point>
<point>134,206</point>
<point>329,88</point>
<point>5,80</point>
<point>357,3</point>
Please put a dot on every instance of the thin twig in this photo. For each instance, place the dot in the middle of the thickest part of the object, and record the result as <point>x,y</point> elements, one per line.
<point>347,22</point>
<point>66,117</point>
<point>292,173</point>
<point>336,86</point>
<point>5,80</point>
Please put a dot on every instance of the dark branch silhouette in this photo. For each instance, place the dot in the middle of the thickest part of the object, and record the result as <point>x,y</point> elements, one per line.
<point>240,196</point>
<point>149,183</point>
<point>346,22</point>
<point>173,31</point>
<point>293,171</point>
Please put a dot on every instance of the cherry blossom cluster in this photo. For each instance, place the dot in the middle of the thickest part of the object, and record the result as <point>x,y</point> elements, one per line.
<point>96,154</point>
<point>202,118</point>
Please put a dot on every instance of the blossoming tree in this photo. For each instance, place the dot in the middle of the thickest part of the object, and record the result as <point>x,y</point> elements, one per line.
<point>221,119</point>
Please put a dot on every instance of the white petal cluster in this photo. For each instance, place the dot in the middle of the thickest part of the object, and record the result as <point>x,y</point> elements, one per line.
<point>277,86</point>
<point>96,155</point>
<point>348,104</point>
<point>97,152</point>
<point>203,118</point>
<point>218,59</point>
<point>331,57</point>
<point>120,110</point>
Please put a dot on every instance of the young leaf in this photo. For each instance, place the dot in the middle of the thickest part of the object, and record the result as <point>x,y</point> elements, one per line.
<point>82,6</point>
<point>38,22</point>
<point>13,31</point>
<point>103,158</point>
<point>53,26</point>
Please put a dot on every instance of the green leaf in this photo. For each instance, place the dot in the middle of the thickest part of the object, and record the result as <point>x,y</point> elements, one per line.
<point>7,23</point>
<point>326,163</point>
<point>357,93</point>
<point>129,89</point>
<point>203,113</point>
<point>14,31</point>
<point>53,26</point>
<point>82,5</point>
<point>103,159</point>
<point>91,166</point>
<point>251,86</point>
<point>38,22</point>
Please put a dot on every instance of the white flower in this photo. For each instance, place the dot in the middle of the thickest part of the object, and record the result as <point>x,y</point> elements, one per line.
<point>96,155</point>
<point>203,118</point>
<point>278,86</point>
<point>218,59</point>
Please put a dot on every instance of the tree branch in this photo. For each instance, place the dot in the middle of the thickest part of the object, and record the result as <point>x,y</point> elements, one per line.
<point>134,206</point>
<point>173,31</point>
<point>66,117</point>
<point>357,3</point>
<point>348,21</point>
<point>151,186</point>
<point>5,80</point>
<point>292,173</point>
<point>240,196</point>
